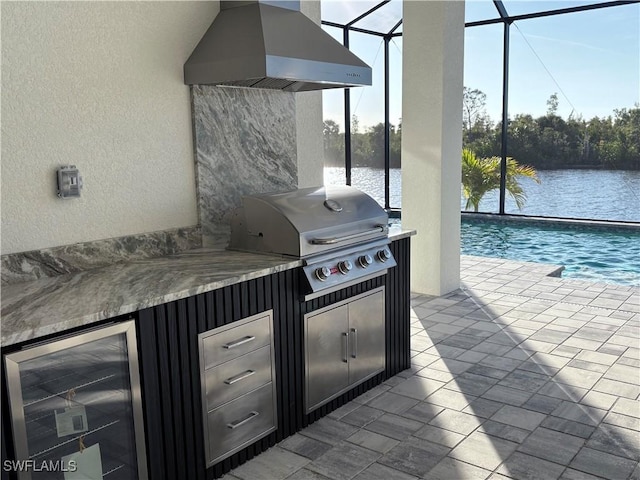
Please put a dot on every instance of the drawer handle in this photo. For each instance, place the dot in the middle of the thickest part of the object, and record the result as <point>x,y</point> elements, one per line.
<point>239,342</point>
<point>240,376</point>
<point>239,423</point>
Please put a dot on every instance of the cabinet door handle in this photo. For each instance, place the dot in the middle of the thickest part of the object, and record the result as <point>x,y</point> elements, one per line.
<point>345,345</point>
<point>354,335</point>
<point>240,376</point>
<point>239,423</point>
<point>239,342</point>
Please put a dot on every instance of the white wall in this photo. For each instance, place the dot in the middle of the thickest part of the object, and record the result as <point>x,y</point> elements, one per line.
<point>432,68</point>
<point>98,85</point>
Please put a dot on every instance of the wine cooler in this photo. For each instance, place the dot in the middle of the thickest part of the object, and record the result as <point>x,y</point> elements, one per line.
<point>76,408</point>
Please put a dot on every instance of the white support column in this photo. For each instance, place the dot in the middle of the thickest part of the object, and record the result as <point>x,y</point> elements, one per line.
<point>432,70</point>
<point>310,149</point>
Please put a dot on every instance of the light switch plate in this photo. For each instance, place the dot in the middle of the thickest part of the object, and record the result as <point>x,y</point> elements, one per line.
<point>69,182</point>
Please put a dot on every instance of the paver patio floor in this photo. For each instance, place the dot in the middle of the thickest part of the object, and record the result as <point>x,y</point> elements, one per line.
<point>516,375</point>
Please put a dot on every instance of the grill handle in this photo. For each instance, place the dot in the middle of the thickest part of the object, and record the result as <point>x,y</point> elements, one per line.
<point>333,240</point>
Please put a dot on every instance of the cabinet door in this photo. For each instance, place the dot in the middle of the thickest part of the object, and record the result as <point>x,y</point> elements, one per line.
<point>326,355</point>
<point>366,336</point>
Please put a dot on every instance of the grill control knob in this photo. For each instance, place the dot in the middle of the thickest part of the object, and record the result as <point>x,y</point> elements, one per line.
<point>365,260</point>
<point>384,254</point>
<point>323,273</point>
<point>345,267</point>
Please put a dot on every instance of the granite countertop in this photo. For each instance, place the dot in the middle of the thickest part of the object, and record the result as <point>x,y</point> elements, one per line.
<point>49,305</point>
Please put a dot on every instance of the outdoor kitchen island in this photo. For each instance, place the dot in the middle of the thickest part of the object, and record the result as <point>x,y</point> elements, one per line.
<point>171,301</point>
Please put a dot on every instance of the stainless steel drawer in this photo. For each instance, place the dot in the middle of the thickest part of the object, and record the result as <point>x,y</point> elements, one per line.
<point>237,377</point>
<point>240,422</point>
<point>232,341</point>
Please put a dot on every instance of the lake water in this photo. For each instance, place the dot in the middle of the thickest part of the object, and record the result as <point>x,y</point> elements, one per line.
<point>591,194</point>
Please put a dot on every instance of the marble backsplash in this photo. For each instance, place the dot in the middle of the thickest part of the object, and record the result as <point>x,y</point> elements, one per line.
<point>245,141</point>
<point>51,262</point>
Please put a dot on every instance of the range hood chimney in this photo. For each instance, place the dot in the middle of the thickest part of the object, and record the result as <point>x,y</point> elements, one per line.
<point>271,44</point>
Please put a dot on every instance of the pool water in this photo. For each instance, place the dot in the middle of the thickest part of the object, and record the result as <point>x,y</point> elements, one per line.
<point>598,254</point>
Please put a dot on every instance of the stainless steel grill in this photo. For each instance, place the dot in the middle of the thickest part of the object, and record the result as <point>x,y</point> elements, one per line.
<point>339,232</point>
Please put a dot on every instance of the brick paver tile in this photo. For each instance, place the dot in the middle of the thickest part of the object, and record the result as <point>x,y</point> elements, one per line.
<point>603,464</point>
<point>551,445</point>
<point>483,450</point>
<point>518,417</point>
<point>526,467</point>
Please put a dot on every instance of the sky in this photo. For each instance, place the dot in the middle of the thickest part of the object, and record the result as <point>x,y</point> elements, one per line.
<point>591,60</point>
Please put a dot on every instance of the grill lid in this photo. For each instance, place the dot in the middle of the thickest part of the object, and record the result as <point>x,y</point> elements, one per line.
<point>307,221</point>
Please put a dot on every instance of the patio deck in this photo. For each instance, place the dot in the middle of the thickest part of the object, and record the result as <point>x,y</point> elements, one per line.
<point>516,375</point>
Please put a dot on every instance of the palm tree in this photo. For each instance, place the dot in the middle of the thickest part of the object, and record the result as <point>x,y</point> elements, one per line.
<point>481,175</point>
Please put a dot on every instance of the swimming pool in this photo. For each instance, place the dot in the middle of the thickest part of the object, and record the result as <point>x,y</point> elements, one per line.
<point>602,254</point>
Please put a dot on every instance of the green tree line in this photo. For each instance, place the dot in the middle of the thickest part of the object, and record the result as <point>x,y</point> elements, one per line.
<point>367,145</point>
<point>545,142</point>
<point>551,142</point>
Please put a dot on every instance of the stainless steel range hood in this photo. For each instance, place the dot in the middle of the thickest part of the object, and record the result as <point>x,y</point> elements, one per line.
<point>271,44</point>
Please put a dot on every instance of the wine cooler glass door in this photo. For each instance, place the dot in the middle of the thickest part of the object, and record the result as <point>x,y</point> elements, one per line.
<point>75,407</point>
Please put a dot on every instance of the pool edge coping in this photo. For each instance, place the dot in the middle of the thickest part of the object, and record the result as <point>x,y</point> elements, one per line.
<point>507,218</point>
